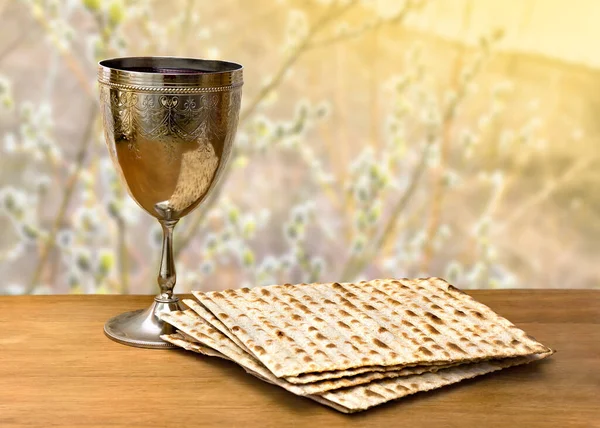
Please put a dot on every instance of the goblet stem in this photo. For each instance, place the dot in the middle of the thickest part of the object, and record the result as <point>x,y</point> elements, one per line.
<point>167,277</point>
<point>143,328</point>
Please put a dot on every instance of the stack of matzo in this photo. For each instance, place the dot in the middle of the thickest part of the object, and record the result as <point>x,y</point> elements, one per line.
<point>354,346</point>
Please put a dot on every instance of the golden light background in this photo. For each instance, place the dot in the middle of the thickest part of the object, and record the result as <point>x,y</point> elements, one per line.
<point>452,138</point>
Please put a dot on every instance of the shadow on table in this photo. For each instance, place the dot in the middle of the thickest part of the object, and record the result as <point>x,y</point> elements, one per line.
<point>521,374</point>
<point>302,405</point>
<point>292,403</point>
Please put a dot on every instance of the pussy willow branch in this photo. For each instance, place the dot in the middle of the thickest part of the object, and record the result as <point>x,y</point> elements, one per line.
<point>332,13</point>
<point>294,57</point>
<point>438,193</point>
<point>86,138</point>
<point>355,265</point>
<point>447,126</point>
<point>71,62</point>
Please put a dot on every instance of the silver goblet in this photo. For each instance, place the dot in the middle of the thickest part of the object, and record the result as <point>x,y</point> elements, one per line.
<point>169,125</point>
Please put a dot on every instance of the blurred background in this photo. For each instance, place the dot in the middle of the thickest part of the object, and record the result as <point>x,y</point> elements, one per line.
<point>452,138</point>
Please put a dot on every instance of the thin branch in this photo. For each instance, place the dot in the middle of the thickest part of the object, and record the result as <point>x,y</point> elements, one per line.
<point>354,266</point>
<point>66,199</point>
<point>402,203</point>
<point>375,25</point>
<point>545,193</point>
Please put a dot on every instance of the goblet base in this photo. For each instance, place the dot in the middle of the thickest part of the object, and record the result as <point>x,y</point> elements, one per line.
<point>142,328</point>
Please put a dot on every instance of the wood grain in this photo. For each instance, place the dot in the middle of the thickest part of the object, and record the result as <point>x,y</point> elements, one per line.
<point>58,369</point>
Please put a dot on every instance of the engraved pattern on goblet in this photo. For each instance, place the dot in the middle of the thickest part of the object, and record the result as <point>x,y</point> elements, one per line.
<point>189,117</point>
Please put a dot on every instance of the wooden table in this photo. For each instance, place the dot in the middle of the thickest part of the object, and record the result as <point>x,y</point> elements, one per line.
<point>58,369</point>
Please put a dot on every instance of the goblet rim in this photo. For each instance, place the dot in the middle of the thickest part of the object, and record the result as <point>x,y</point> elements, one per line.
<point>199,72</point>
